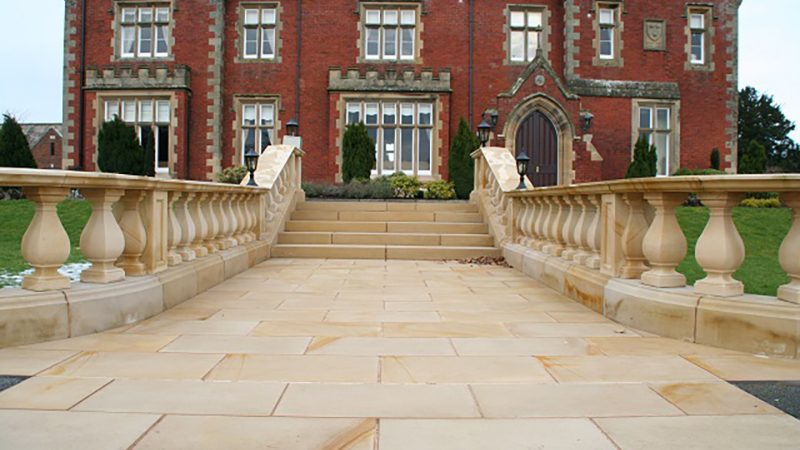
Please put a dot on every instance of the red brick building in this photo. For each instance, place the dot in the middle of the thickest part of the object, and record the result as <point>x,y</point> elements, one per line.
<point>45,142</point>
<point>573,82</point>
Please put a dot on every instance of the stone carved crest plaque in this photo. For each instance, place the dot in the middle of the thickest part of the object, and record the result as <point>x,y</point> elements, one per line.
<point>655,35</point>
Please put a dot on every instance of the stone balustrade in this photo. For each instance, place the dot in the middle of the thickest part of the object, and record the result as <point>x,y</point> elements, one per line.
<point>142,226</point>
<point>600,242</point>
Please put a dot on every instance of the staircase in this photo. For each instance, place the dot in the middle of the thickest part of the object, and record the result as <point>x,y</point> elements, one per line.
<point>385,230</point>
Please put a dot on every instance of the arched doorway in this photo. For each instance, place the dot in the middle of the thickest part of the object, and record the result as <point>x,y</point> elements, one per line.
<point>537,136</point>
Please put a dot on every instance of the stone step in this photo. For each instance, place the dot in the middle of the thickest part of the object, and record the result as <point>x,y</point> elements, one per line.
<point>333,226</point>
<point>406,239</point>
<point>385,216</point>
<point>375,206</point>
<point>381,252</point>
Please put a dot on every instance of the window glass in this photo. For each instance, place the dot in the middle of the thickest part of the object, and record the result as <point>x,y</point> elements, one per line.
<point>146,111</point>
<point>534,19</point>
<point>128,15</point>
<point>645,118</point>
<point>145,41</point>
<point>250,42</point>
<point>425,150</point>
<point>162,147</point>
<point>373,17</point>
<point>662,148</point>
<point>407,114</point>
<point>161,40</point>
<point>249,114</point>
<point>518,46</point>
<point>533,44</point>
<point>662,119</point>
<point>389,114</point>
<point>372,113</point>
<point>268,43</point>
<point>128,41</point>
<point>389,149</point>
<point>390,42</point>
<point>112,109</point>
<point>390,17</point>
<point>251,17</point>
<point>353,113</point>
<point>389,33</point>
<point>517,19</point>
<point>607,16</point>
<point>129,111</point>
<point>408,17</point>
<point>606,42</point>
<point>407,44</point>
<point>268,16</point>
<point>697,21</point>
<point>373,42</point>
<point>162,14</point>
<point>145,15</point>
<point>425,114</point>
<point>407,150</point>
<point>267,115</point>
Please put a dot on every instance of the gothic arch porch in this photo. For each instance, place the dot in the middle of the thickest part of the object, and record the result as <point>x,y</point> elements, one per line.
<point>559,118</point>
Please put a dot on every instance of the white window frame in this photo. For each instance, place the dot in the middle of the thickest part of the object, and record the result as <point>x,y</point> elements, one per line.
<point>697,30</point>
<point>132,19</point>
<point>160,120</point>
<point>382,19</point>
<point>265,25</point>
<point>260,107</point>
<point>610,26</point>
<point>653,129</point>
<point>529,28</point>
<point>395,108</point>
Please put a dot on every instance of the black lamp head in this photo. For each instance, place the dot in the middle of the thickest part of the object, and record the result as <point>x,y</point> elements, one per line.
<point>251,159</point>
<point>484,132</point>
<point>522,168</point>
<point>495,117</point>
<point>292,127</point>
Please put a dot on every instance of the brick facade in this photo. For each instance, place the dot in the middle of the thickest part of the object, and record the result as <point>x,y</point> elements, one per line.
<point>206,78</point>
<point>45,142</point>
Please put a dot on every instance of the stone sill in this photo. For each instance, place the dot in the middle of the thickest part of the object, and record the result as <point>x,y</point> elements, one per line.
<point>750,323</point>
<point>28,317</point>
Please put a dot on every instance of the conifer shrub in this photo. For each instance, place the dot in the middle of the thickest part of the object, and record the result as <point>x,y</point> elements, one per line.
<point>119,150</point>
<point>715,162</point>
<point>358,153</point>
<point>460,164</point>
<point>645,160</point>
<point>149,163</point>
<point>14,148</point>
<point>754,160</point>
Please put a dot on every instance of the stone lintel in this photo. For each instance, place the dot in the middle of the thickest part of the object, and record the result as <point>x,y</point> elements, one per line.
<point>625,89</point>
<point>390,80</point>
<point>128,77</point>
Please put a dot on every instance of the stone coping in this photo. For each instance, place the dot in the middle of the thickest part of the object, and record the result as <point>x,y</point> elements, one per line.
<point>749,323</point>
<point>28,317</point>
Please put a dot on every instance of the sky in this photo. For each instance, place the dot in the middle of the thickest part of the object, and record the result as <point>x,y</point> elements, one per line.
<point>32,58</point>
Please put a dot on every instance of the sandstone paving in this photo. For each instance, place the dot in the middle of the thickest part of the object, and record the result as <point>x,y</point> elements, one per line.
<point>363,355</point>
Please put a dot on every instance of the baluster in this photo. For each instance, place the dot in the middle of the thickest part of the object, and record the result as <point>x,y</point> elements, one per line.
<point>720,249</point>
<point>239,235</point>
<point>664,244</point>
<point>547,209</point>
<point>569,228</point>
<point>528,222</point>
<point>201,226</point>
<point>210,238</point>
<point>633,237</point>
<point>45,245</point>
<point>538,216</point>
<point>232,222</point>
<point>102,240</point>
<point>790,252</point>
<point>135,235</point>
<point>252,220</point>
<point>595,234</point>
<point>186,223</point>
<point>224,222</point>
<point>174,231</point>
<point>582,231</point>
<point>557,227</point>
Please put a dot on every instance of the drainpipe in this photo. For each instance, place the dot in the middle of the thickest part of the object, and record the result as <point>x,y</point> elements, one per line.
<point>471,58</point>
<point>297,77</point>
<point>82,81</point>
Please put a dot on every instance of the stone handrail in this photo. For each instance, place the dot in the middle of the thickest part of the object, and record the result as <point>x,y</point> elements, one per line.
<point>142,226</point>
<point>628,229</point>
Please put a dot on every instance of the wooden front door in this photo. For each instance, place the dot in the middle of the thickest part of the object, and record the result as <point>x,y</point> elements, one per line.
<point>537,136</point>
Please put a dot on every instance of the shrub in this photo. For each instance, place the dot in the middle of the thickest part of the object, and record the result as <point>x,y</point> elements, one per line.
<point>119,150</point>
<point>233,175</point>
<point>405,186</point>
<point>761,203</point>
<point>645,160</point>
<point>358,153</point>
<point>754,160</point>
<point>460,163</point>
<point>378,189</point>
<point>149,163</point>
<point>684,172</point>
<point>715,159</point>
<point>14,148</point>
<point>439,190</point>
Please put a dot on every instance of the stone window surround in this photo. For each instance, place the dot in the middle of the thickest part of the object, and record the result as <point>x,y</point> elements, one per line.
<point>116,33</point>
<point>240,59</point>
<point>436,140</point>
<point>708,11</point>
<point>99,115</point>
<point>675,125</point>
<point>617,61</point>
<point>238,101</point>
<point>418,28</point>
<point>544,40</point>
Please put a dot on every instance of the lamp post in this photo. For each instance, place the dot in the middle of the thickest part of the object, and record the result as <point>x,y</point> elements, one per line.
<point>292,127</point>
<point>522,168</point>
<point>251,159</point>
<point>484,131</point>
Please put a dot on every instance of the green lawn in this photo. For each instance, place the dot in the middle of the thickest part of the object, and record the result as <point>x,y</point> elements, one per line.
<point>16,215</point>
<point>763,231</point>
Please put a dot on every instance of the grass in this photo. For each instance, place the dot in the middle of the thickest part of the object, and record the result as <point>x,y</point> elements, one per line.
<point>762,230</point>
<point>16,215</point>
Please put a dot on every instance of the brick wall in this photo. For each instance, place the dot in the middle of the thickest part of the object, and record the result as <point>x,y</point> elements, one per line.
<point>207,39</point>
